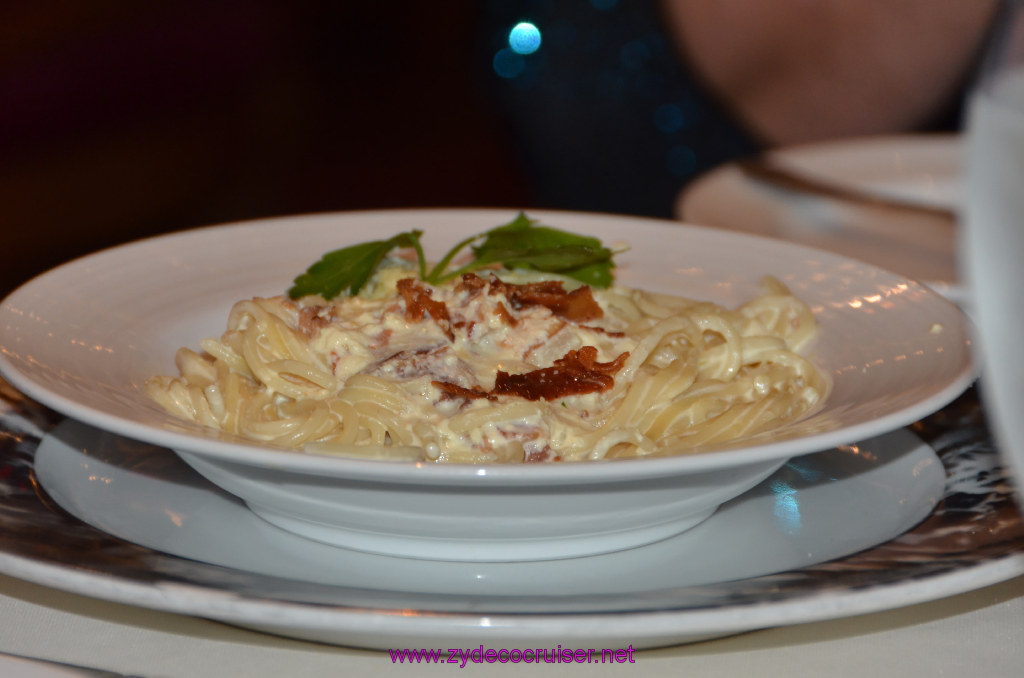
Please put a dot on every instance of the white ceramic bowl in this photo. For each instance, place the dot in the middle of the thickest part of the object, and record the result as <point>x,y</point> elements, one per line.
<point>84,337</point>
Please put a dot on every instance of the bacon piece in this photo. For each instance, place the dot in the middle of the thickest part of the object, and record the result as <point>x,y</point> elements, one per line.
<point>576,306</point>
<point>411,364</point>
<point>418,304</point>
<point>312,319</point>
<point>540,456</point>
<point>576,373</point>
<point>451,391</point>
<point>505,316</point>
<point>602,330</point>
<point>383,338</point>
<point>472,283</point>
<point>466,325</point>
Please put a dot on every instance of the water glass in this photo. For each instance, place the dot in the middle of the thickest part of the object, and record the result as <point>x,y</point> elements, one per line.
<point>992,233</point>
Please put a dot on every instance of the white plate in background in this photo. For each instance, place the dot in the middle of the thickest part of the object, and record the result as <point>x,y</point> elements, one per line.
<point>924,170</point>
<point>918,169</point>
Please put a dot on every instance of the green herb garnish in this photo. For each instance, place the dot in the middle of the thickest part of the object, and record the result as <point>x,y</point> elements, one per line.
<point>517,244</point>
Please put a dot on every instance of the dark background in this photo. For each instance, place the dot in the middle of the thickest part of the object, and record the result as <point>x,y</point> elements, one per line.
<point>120,120</point>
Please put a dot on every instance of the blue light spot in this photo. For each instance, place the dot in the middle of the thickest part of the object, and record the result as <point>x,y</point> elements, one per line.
<point>787,505</point>
<point>669,118</point>
<point>524,38</point>
<point>508,64</point>
<point>681,161</point>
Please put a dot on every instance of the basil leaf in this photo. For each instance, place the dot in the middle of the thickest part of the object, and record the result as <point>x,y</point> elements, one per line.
<point>522,244</point>
<point>350,268</point>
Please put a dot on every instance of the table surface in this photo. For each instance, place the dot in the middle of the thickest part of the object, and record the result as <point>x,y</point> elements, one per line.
<point>976,634</point>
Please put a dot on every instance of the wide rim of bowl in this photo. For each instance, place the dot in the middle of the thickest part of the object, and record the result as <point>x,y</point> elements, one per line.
<point>586,472</point>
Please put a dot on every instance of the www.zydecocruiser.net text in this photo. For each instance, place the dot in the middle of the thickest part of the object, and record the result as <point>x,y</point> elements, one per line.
<point>480,655</point>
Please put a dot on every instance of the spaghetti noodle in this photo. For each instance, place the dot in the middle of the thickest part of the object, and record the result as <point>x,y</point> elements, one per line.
<point>499,367</point>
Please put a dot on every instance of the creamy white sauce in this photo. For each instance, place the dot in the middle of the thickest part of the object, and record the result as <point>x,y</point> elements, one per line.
<point>373,335</point>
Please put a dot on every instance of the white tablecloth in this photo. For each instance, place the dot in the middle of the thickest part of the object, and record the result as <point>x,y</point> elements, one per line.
<point>978,634</point>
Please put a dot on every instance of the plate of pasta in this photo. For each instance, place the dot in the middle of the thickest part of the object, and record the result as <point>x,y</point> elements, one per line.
<point>556,385</point>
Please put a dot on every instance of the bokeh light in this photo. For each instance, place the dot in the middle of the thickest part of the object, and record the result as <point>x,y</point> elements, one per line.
<point>681,161</point>
<point>669,118</point>
<point>508,64</point>
<point>524,38</point>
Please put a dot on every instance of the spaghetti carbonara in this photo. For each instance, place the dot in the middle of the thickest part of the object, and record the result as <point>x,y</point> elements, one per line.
<point>499,367</point>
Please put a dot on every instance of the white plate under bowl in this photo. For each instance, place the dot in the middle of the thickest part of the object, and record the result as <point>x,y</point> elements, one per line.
<point>798,517</point>
<point>84,337</point>
<point>924,170</point>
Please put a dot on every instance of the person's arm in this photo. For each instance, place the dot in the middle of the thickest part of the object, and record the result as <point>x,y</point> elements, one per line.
<point>803,70</point>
